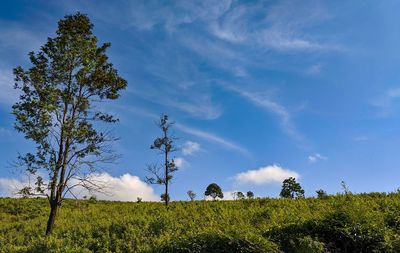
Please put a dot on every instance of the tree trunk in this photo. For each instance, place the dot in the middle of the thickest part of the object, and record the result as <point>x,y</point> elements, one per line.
<point>52,218</point>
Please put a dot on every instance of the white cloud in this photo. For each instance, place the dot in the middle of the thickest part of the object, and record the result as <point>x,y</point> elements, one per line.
<point>123,188</point>
<point>228,195</point>
<point>316,157</point>
<point>181,163</point>
<point>8,95</point>
<point>10,186</point>
<point>265,175</point>
<point>190,147</point>
<point>212,137</point>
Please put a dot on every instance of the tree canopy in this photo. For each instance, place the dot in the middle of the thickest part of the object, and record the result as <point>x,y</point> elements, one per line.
<point>214,191</point>
<point>291,189</point>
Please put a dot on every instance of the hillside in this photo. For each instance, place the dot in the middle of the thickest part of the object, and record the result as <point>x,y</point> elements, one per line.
<point>353,223</point>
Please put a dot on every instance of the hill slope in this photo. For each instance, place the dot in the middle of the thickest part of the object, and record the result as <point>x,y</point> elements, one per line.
<point>353,223</point>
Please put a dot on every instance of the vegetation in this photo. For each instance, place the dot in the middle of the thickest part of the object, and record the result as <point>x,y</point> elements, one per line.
<point>338,223</point>
<point>57,110</point>
<point>163,175</point>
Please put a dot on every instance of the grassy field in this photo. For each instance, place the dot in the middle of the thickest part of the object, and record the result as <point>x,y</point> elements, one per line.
<point>352,223</point>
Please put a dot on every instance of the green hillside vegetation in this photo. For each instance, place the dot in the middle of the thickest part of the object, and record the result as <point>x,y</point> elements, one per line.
<point>341,223</point>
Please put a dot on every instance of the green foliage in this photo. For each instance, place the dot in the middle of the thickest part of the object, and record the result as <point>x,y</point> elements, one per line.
<point>361,223</point>
<point>291,189</point>
<point>58,110</point>
<point>214,191</point>
<point>218,243</point>
<point>250,195</point>
<point>321,194</point>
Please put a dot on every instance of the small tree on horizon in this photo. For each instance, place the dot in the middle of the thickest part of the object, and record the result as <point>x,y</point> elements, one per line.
<point>162,175</point>
<point>240,195</point>
<point>321,194</point>
<point>58,110</point>
<point>291,189</point>
<point>214,191</point>
<point>250,195</point>
<point>191,194</point>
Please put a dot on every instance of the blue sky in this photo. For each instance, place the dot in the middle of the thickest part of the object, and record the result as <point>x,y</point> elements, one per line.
<point>259,90</point>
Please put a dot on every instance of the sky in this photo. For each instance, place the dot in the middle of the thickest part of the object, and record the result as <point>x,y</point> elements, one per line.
<point>259,91</point>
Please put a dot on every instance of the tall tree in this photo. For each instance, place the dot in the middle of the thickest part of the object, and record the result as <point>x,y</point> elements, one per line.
<point>163,174</point>
<point>214,191</point>
<point>58,110</point>
<point>291,189</point>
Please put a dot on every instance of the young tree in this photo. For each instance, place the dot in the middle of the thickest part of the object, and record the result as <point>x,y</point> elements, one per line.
<point>250,195</point>
<point>162,175</point>
<point>345,188</point>
<point>213,190</point>
<point>291,189</point>
<point>191,195</point>
<point>57,110</point>
<point>240,195</point>
<point>321,194</point>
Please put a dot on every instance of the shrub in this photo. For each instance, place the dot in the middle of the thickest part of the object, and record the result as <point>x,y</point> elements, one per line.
<point>218,243</point>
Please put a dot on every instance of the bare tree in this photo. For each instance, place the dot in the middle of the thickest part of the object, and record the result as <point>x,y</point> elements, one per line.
<point>162,175</point>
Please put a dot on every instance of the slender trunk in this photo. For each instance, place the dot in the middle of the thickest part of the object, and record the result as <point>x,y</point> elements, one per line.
<point>52,217</point>
<point>166,179</point>
<point>166,172</point>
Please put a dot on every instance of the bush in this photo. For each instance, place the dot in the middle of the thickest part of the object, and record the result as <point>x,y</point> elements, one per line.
<point>218,243</point>
<point>337,231</point>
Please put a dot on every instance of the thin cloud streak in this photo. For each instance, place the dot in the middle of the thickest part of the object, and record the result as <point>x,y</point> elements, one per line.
<point>272,107</point>
<point>214,138</point>
<point>193,131</point>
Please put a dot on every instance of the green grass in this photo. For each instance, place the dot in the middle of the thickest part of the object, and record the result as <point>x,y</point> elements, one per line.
<point>353,223</point>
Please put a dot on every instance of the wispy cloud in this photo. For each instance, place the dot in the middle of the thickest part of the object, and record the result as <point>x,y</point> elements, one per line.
<point>265,175</point>
<point>386,102</point>
<point>15,37</point>
<point>8,94</point>
<point>314,69</point>
<point>271,106</point>
<point>181,162</point>
<point>147,15</point>
<point>213,138</point>
<point>190,147</point>
<point>280,28</point>
<point>316,157</point>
